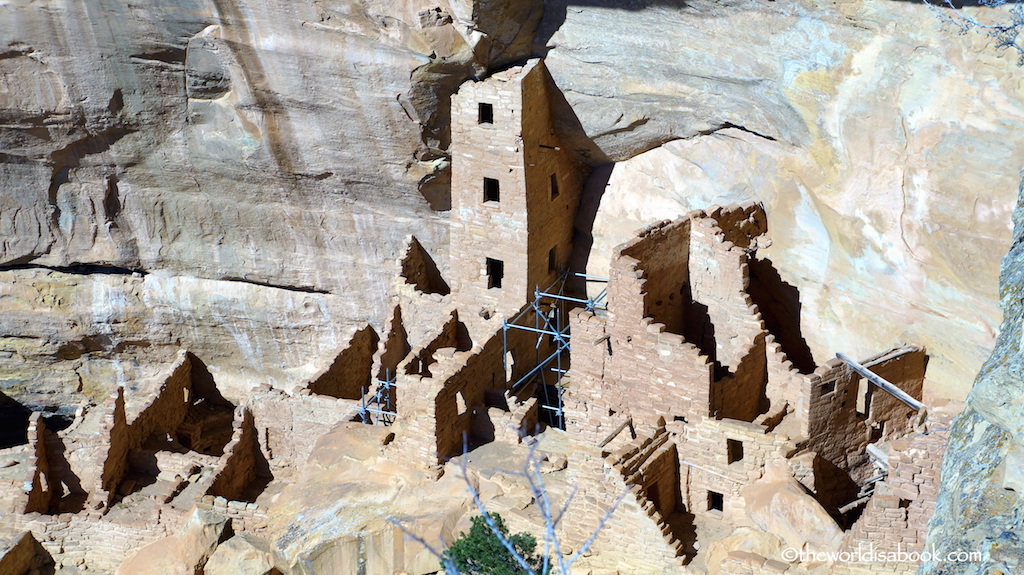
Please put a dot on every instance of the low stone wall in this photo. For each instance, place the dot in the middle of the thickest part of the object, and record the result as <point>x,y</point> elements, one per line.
<point>287,426</point>
<point>89,540</point>
<point>723,456</point>
<point>635,538</point>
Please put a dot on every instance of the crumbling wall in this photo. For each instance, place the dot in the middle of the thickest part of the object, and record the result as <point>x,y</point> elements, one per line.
<point>723,456</point>
<point>420,271</point>
<point>288,426</point>
<point>24,555</point>
<point>164,415</point>
<point>646,368</point>
<point>636,538</point>
<point>661,253</point>
<point>441,411</point>
<point>639,372</point>
<point>41,494</point>
<point>87,539</point>
<point>243,466</point>
<point>835,429</point>
<point>741,394</point>
<point>896,517</point>
<point>719,278</point>
<point>348,376</point>
<point>786,386</point>
<point>393,348</point>
<point>453,334</point>
<point>915,464</point>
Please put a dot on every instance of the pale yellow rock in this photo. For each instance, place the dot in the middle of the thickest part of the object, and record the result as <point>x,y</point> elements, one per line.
<point>183,554</point>
<point>764,544</point>
<point>779,505</point>
<point>241,555</point>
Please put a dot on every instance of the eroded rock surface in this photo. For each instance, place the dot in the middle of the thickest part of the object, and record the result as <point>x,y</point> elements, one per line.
<point>883,148</point>
<point>980,499</point>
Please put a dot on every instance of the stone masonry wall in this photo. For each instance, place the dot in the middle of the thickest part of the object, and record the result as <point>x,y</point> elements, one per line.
<point>86,539</point>
<point>896,517</point>
<point>529,228</point>
<point>661,253</point>
<point>164,414</point>
<point>39,496</point>
<point>288,425</point>
<point>715,466</point>
<point>420,271</point>
<point>635,538</point>
<point>348,376</point>
<point>719,278</point>
<point>240,465</point>
<point>837,432</point>
<point>438,411</point>
<point>393,348</point>
<point>491,229</point>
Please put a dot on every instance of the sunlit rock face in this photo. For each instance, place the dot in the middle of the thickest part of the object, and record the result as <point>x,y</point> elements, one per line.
<point>253,163</point>
<point>883,147</point>
<point>294,147</point>
<point>982,486</point>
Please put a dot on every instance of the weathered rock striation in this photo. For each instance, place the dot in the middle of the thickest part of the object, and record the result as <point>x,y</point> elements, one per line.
<point>983,470</point>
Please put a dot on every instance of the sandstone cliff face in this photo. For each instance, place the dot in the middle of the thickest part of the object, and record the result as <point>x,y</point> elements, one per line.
<point>293,147</point>
<point>238,177</point>
<point>883,146</point>
<point>253,162</point>
<point>983,469</point>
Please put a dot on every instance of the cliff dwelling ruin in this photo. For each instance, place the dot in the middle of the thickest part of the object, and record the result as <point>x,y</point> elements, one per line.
<point>679,383</point>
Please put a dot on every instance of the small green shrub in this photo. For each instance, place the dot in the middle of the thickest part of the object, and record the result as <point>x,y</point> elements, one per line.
<point>481,552</point>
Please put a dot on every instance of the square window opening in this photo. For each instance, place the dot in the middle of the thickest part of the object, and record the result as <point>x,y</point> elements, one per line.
<point>495,273</point>
<point>492,190</point>
<point>829,387</point>
<point>877,432</point>
<point>485,114</point>
<point>734,449</point>
<point>716,501</point>
<point>554,186</point>
<point>553,259</point>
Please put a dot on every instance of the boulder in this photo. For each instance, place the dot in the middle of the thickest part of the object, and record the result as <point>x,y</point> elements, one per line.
<point>242,555</point>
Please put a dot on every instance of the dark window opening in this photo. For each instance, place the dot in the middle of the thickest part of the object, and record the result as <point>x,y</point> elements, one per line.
<point>716,501</point>
<point>877,431</point>
<point>486,114</point>
<point>495,271</point>
<point>735,450</point>
<point>828,387</point>
<point>552,260</point>
<point>492,190</point>
<point>554,186</point>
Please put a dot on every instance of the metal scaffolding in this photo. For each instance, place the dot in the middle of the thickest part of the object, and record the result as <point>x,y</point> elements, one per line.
<point>549,310</point>
<point>379,409</point>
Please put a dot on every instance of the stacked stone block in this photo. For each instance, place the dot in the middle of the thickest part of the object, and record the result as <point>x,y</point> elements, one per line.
<point>39,496</point>
<point>705,453</point>
<point>636,537</point>
<point>834,428</point>
<point>520,151</point>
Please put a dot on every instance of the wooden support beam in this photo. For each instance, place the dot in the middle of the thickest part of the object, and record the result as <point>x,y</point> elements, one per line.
<point>878,455</point>
<point>881,383</point>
